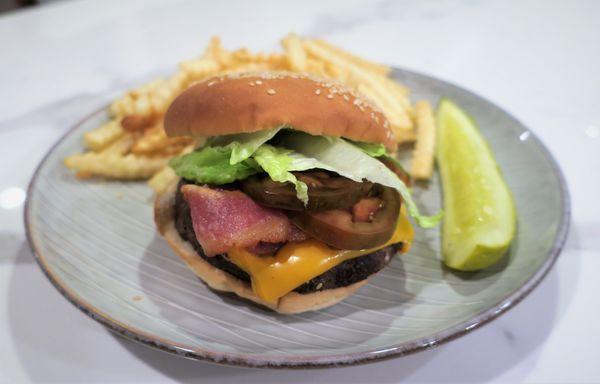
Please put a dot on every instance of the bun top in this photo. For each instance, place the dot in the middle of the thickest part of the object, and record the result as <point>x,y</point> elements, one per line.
<point>253,102</point>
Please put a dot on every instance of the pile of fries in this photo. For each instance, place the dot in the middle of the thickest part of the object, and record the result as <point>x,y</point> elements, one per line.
<point>133,144</point>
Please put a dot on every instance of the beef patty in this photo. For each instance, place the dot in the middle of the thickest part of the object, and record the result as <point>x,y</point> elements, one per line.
<point>344,274</point>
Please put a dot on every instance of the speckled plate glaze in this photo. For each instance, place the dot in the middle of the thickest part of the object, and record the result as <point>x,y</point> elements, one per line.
<point>96,242</point>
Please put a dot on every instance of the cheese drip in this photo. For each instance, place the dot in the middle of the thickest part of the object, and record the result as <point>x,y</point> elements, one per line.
<point>296,263</point>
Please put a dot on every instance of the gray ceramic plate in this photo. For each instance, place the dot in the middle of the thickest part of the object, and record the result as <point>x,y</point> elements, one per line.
<point>97,243</point>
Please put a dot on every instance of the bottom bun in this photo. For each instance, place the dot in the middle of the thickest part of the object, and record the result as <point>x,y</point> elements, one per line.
<point>217,279</point>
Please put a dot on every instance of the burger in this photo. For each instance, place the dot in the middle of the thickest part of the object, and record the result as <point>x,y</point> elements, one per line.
<point>293,201</point>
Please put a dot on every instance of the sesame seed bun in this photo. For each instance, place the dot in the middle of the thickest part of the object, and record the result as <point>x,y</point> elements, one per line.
<point>257,101</point>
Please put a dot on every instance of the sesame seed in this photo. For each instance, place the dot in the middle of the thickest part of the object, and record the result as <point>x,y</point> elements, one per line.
<point>271,91</point>
<point>319,286</point>
<point>259,82</point>
<point>251,83</point>
<point>346,98</point>
<point>318,92</point>
<point>211,83</point>
<point>330,96</point>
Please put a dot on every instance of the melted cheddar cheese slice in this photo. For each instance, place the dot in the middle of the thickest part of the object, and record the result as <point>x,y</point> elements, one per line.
<point>296,263</point>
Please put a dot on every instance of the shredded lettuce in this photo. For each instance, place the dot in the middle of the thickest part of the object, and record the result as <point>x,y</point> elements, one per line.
<point>243,145</point>
<point>395,161</point>
<point>278,164</point>
<point>235,157</point>
<point>211,165</point>
<point>371,149</point>
<point>347,160</point>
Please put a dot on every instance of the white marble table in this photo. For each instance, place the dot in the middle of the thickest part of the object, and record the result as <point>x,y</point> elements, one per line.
<point>537,59</point>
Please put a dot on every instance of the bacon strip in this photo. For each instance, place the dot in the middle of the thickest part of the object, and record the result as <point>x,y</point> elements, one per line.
<point>226,219</point>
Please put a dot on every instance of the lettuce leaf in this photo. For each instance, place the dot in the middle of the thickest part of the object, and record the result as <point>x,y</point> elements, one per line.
<point>395,161</point>
<point>234,157</point>
<point>243,145</point>
<point>371,149</point>
<point>344,158</point>
<point>278,164</point>
<point>211,165</point>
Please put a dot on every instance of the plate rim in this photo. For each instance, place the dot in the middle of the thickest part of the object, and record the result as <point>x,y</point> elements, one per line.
<point>334,360</point>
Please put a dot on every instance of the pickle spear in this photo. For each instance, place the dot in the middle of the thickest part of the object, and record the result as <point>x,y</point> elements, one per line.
<point>479,219</point>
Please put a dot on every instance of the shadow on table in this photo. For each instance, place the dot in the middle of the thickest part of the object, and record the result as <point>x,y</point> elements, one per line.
<point>38,330</point>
